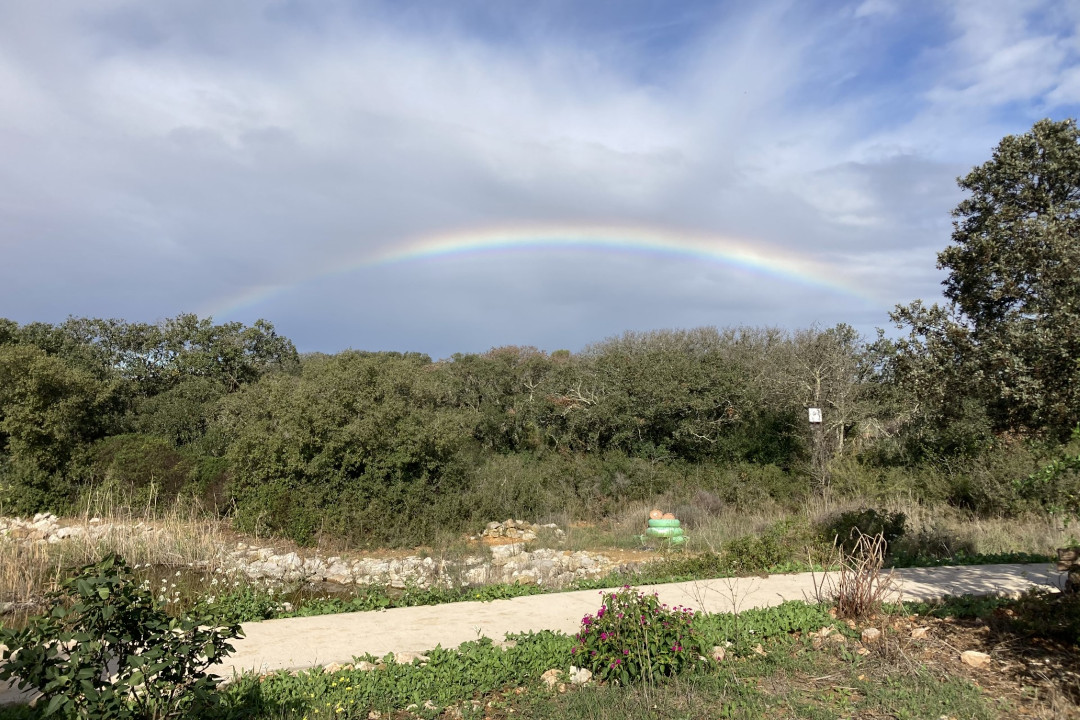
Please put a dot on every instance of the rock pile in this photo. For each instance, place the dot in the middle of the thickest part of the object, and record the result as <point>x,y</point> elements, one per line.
<point>508,562</point>
<point>518,530</point>
<point>46,527</point>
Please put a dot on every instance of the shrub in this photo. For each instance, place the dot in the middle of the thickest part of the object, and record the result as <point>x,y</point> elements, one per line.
<point>859,589</point>
<point>784,542</point>
<point>1056,486</point>
<point>634,637</point>
<point>846,529</point>
<point>107,651</point>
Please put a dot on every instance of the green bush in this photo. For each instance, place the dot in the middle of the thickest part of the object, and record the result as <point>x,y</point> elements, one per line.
<point>633,637</point>
<point>142,469</point>
<point>106,650</point>
<point>1056,485</point>
<point>845,529</point>
<point>785,542</point>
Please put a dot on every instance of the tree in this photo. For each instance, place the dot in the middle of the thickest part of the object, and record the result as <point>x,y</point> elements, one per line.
<point>48,411</point>
<point>1011,331</point>
<point>823,369</point>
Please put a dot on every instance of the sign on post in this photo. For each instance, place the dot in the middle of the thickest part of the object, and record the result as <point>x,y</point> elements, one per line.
<point>815,415</point>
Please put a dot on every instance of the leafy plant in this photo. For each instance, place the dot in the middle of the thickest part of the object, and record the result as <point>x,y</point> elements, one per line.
<point>634,637</point>
<point>847,529</point>
<point>1057,484</point>
<point>108,651</point>
<point>243,603</point>
<point>779,545</point>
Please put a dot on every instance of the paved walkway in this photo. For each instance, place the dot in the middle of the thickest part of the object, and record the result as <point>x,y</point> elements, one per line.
<point>295,643</point>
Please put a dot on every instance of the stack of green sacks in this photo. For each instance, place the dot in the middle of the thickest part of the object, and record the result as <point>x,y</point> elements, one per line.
<point>667,529</point>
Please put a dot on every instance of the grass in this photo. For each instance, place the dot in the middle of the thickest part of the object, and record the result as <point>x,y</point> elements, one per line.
<point>724,541</point>
<point>778,664</point>
<point>28,570</point>
<point>788,683</point>
<point>789,678</point>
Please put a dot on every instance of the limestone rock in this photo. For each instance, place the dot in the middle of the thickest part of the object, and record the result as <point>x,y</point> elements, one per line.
<point>919,633</point>
<point>974,658</point>
<point>871,635</point>
<point>408,656</point>
<point>551,677</point>
<point>579,676</point>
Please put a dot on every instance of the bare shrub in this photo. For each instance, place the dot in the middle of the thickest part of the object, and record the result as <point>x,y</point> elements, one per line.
<point>859,588</point>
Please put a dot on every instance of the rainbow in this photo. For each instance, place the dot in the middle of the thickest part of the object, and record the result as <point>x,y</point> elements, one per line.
<point>718,249</point>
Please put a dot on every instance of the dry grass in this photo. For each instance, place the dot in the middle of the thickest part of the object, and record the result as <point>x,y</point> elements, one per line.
<point>940,530</point>
<point>30,569</point>
<point>859,588</point>
<point>949,530</point>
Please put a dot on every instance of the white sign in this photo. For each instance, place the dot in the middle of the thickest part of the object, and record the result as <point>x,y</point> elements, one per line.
<point>815,415</point>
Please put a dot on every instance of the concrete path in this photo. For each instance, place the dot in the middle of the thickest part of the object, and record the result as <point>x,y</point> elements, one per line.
<point>296,643</point>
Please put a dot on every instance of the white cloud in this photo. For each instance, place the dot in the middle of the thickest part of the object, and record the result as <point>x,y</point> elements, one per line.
<point>201,150</point>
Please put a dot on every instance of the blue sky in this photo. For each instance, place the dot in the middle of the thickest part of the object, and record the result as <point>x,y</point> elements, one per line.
<point>243,158</point>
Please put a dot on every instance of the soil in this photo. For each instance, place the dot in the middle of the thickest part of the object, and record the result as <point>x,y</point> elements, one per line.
<point>1035,677</point>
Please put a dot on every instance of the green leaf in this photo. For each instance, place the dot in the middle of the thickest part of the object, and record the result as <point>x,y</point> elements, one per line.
<point>55,703</point>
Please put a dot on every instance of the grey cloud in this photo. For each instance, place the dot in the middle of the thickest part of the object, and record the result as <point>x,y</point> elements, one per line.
<point>162,158</point>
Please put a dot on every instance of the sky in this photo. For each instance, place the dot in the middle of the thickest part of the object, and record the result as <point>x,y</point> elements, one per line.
<point>450,177</point>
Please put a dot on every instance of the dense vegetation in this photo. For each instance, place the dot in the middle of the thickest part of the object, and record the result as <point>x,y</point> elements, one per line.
<point>972,406</point>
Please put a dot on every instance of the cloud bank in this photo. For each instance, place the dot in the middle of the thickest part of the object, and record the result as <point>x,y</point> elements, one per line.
<point>233,158</point>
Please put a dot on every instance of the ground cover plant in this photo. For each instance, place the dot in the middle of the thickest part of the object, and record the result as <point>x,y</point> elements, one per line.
<point>107,650</point>
<point>793,660</point>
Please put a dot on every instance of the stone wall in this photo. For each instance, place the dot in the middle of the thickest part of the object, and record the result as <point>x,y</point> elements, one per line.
<point>509,562</point>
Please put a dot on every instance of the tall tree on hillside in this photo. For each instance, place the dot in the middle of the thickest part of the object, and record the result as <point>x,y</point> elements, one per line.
<point>1010,336</point>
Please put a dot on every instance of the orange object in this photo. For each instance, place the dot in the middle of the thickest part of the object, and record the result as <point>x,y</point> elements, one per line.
<point>655,515</point>
<point>668,516</point>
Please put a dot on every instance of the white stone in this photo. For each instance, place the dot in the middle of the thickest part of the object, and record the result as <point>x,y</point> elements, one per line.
<point>870,635</point>
<point>579,676</point>
<point>551,677</point>
<point>974,658</point>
